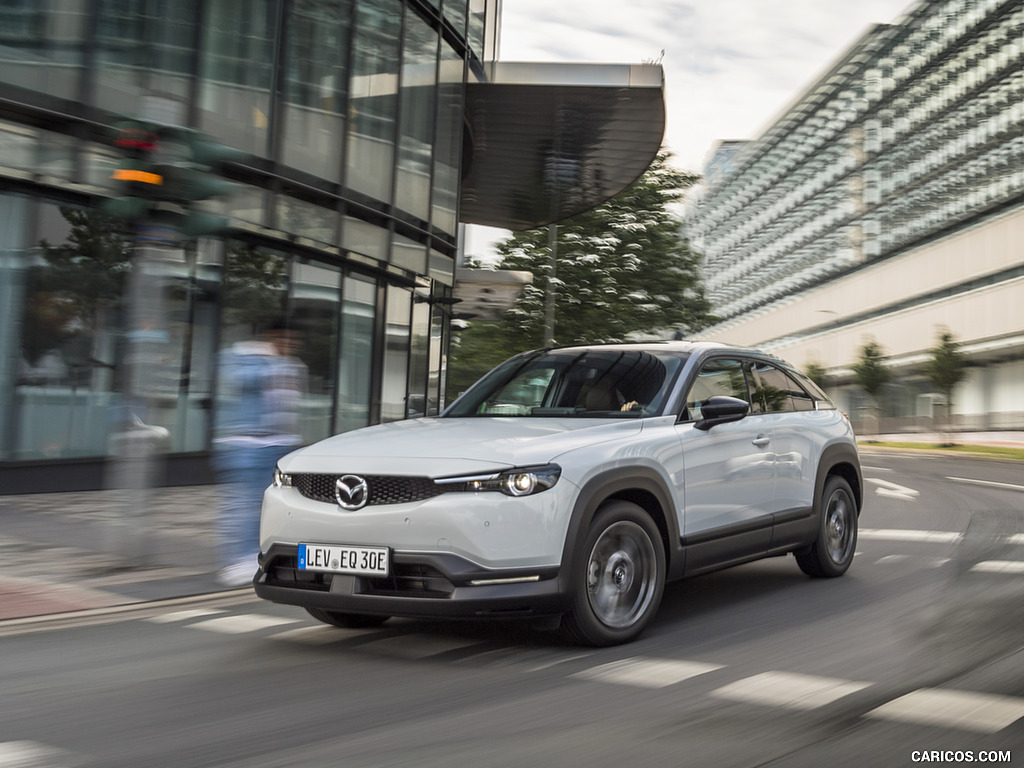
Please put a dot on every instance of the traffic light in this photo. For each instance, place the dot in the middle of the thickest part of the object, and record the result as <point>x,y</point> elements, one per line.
<point>163,170</point>
<point>138,179</point>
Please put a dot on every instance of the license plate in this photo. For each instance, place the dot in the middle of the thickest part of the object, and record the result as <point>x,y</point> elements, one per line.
<point>341,558</point>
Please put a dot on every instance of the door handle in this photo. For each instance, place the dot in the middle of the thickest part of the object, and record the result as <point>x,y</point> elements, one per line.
<point>761,441</point>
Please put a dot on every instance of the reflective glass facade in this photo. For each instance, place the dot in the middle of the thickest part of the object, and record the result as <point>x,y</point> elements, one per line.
<point>343,220</point>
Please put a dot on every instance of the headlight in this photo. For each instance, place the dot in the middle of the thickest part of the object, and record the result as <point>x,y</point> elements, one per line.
<point>522,481</point>
<point>281,480</point>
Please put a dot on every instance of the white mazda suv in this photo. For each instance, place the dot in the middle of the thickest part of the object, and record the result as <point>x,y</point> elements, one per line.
<point>567,486</point>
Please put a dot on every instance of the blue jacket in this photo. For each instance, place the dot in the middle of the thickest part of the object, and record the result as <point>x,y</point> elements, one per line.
<point>259,394</point>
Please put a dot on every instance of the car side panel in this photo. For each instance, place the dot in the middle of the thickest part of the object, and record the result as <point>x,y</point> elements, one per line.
<point>729,490</point>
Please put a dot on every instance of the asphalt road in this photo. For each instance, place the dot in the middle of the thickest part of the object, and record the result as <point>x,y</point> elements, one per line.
<point>916,655</point>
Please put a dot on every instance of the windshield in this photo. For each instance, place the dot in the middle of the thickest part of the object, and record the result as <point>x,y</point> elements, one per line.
<point>603,383</point>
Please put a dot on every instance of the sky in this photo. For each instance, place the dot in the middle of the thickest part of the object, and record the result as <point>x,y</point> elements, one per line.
<point>731,66</point>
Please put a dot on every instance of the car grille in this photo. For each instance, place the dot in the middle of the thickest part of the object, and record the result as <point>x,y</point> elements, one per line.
<point>384,489</point>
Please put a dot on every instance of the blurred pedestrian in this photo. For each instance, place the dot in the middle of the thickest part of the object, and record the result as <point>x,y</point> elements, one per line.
<point>261,386</point>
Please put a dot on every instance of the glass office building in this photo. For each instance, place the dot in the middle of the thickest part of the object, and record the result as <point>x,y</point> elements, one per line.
<point>355,117</point>
<point>886,202</point>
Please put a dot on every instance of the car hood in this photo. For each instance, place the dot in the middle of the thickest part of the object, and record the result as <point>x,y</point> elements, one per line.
<point>435,447</point>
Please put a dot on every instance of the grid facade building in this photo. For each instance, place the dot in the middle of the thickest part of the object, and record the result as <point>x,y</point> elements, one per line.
<point>886,202</point>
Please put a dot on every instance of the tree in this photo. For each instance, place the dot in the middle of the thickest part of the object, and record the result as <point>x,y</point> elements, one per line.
<point>870,371</point>
<point>74,285</point>
<point>623,268</point>
<point>946,368</point>
<point>817,373</point>
<point>90,268</point>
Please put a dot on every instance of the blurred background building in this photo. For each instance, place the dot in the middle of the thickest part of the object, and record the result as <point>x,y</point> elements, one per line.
<point>886,203</point>
<point>371,130</point>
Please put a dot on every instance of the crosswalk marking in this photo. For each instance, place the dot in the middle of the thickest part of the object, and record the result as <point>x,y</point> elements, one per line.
<point>195,613</point>
<point>647,673</point>
<point>320,634</point>
<point>422,647</point>
<point>526,659</point>
<point>789,690</point>
<point>31,754</point>
<point>985,713</point>
<point>236,625</point>
<point>895,534</point>
<point>923,562</point>
<point>999,566</point>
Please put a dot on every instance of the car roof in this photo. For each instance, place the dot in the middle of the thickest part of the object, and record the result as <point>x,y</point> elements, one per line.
<point>678,346</point>
<point>655,346</point>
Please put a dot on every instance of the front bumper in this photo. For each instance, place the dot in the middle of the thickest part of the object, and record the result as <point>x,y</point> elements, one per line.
<point>439,585</point>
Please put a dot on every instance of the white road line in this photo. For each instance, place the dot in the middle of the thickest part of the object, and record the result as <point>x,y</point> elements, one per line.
<point>999,566</point>
<point>982,712</point>
<point>31,754</point>
<point>413,648</point>
<point>789,690</point>
<point>320,634</point>
<point>646,673</point>
<point>923,562</point>
<point>989,483</point>
<point>893,490</point>
<point>896,534</point>
<point>523,659</point>
<point>195,613</point>
<point>1017,538</point>
<point>237,625</point>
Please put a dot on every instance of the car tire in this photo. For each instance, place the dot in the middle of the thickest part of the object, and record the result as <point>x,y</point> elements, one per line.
<point>346,620</point>
<point>617,577</point>
<point>836,540</point>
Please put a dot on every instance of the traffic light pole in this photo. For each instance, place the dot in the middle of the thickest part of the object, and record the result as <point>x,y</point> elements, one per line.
<point>163,171</point>
<point>138,443</point>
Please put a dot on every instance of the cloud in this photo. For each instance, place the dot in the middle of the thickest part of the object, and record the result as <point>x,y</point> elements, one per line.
<point>730,65</point>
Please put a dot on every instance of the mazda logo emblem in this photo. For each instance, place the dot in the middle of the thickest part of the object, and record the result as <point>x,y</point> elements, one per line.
<point>351,491</point>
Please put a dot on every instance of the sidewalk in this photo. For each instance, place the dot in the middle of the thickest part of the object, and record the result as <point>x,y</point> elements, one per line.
<point>60,552</point>
<point>1006,439</point>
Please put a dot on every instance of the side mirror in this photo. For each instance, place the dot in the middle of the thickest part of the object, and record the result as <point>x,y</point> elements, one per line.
<point>721,409</point>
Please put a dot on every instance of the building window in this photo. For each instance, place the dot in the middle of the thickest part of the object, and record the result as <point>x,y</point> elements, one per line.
<point>355,364</point>
<point>316,87</point>
<point>416,134</point>
<point>396,354</point>
<point>373,97</point>
<point>237,72</point>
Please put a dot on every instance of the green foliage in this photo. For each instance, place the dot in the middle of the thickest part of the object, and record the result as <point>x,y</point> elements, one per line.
<point>253,287</point>
<point>477,350</point>
<point>90,266</point>
<point>622,268</point>
<point>947,366</point>
<point>870,370</point>
<point>817,373</point>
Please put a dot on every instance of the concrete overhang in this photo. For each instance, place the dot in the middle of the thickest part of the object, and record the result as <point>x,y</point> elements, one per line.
<point>548,141</point>
<point>487,294</point>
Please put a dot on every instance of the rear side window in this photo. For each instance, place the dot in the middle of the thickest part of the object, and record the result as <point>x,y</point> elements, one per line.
<point>779,391</point>
<point>719,376</point>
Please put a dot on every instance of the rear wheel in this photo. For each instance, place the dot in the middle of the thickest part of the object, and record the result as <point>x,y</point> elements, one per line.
<point>833,549</point>
<point>618,577</point>
<point>346,620</point>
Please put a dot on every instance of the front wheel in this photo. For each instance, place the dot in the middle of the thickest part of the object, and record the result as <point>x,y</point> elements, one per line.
<point>346,620</point>
<point>836,541</point>
<point>618,576</point>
